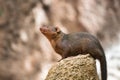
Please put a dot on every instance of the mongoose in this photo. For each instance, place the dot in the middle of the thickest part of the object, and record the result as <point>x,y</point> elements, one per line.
<point>76,43</point>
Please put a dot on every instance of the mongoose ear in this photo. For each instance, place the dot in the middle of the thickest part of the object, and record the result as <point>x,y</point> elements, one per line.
<point>57,30</point>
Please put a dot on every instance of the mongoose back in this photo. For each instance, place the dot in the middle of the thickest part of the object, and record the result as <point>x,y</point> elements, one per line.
<point>76,43</point>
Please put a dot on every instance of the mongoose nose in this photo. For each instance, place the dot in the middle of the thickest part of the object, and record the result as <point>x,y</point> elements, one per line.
<point>40,29</point>
<point>43,29</point>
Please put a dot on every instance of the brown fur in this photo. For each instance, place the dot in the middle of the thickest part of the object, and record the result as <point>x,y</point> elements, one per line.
<point>76,43</point>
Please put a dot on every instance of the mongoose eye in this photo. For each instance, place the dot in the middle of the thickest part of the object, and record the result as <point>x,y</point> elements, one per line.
<point>56,29</point>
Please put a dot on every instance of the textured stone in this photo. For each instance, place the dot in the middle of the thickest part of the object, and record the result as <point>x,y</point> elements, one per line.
<point>81,67</point>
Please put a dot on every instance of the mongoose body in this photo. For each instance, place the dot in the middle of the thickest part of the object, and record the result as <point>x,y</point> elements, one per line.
<point>74,44</point>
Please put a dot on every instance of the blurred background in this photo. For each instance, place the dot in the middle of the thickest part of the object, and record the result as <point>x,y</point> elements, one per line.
<point>25,54</point>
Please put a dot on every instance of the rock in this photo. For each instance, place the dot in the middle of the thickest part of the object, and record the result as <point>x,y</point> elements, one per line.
<point>81,67</point>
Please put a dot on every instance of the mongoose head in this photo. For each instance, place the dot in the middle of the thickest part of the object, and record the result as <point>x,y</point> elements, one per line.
<point>49,31</point>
